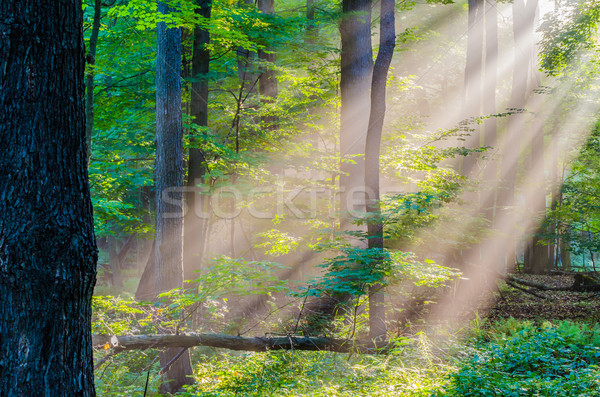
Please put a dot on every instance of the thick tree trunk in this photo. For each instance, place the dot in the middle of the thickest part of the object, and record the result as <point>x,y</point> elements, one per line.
<point>168,253</point>
<point>89,78</point>
<point>194,223</point>
<point>47,245</point>
<point>387,42</point>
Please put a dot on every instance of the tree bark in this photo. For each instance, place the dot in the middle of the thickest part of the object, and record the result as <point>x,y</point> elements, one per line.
<point>168,254</point>
<point>387,42</point>
<point>47,246</point>
<point>194,224</point>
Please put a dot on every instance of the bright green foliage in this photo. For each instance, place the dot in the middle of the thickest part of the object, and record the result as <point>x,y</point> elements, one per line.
<point>577,215</point>
<point>567,34</point>
<point>528,360</point>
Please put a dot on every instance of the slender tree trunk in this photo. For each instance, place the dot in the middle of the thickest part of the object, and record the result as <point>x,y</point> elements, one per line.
<point>522,31</point>
<point>194,223</point>
<point>267,80</point>
<point>489,101</point>
<point>169,185</point>
<point>355,83</point>
<point>387,42</point>
<point>89,78</point>
<point>47,245</point>
<point>473,73</point>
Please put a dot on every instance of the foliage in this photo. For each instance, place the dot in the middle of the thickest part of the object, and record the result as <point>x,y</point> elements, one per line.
<point>523,359</point>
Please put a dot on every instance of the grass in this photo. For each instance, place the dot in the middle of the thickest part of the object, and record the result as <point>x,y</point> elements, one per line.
<point>506,358</point>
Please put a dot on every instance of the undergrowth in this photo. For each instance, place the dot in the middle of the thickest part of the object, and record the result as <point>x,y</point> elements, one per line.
<point>507,358</point>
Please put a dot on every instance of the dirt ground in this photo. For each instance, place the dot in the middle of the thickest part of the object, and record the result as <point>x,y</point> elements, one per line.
<point>559,305</point>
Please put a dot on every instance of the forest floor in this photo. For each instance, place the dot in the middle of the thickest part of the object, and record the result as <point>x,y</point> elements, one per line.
<point>558,305</point>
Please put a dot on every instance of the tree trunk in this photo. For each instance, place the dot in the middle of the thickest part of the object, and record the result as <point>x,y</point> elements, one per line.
<point>355,83</point>
<point>47,246</point>
<point>194,223</point>
<point>89,78</point>
<point>473,73</point>
<point>523,20</point>
<point>489,104</point>
<point>387,42</point>
<point>168,252</point>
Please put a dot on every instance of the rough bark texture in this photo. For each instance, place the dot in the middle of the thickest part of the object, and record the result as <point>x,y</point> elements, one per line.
<point>355,83</point>
<point>194,224</point>
<point>89,78</point>
<point>168,253</point>
<point>256,344</point>
<point>47,245</point>
<point>387,42</point>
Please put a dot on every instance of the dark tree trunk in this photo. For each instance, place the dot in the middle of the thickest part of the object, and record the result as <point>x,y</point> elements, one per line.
<point>387,42</point>
<point>194,223</point>
<point>47,245</point>
<point>168,254</point>
<point>89,78</point>
<point>355,83</point>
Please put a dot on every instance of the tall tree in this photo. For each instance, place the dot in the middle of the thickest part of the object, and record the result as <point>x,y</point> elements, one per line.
<point>47,245</point>
<point>387,42</point>
<point>523,21</point>
<point>194,225</point>
<point>168,253</point>
<point>489,99</point>
<point>355,83</point>
<point>473,73</point>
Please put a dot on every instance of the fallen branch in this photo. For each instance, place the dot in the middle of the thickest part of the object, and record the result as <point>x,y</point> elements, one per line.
<point>256,344</point>
<point>526,290</point>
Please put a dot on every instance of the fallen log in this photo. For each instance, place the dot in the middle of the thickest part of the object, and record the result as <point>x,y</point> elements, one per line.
<point>526,290</point>
<point>254,344</point>
<point>536,285</point>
